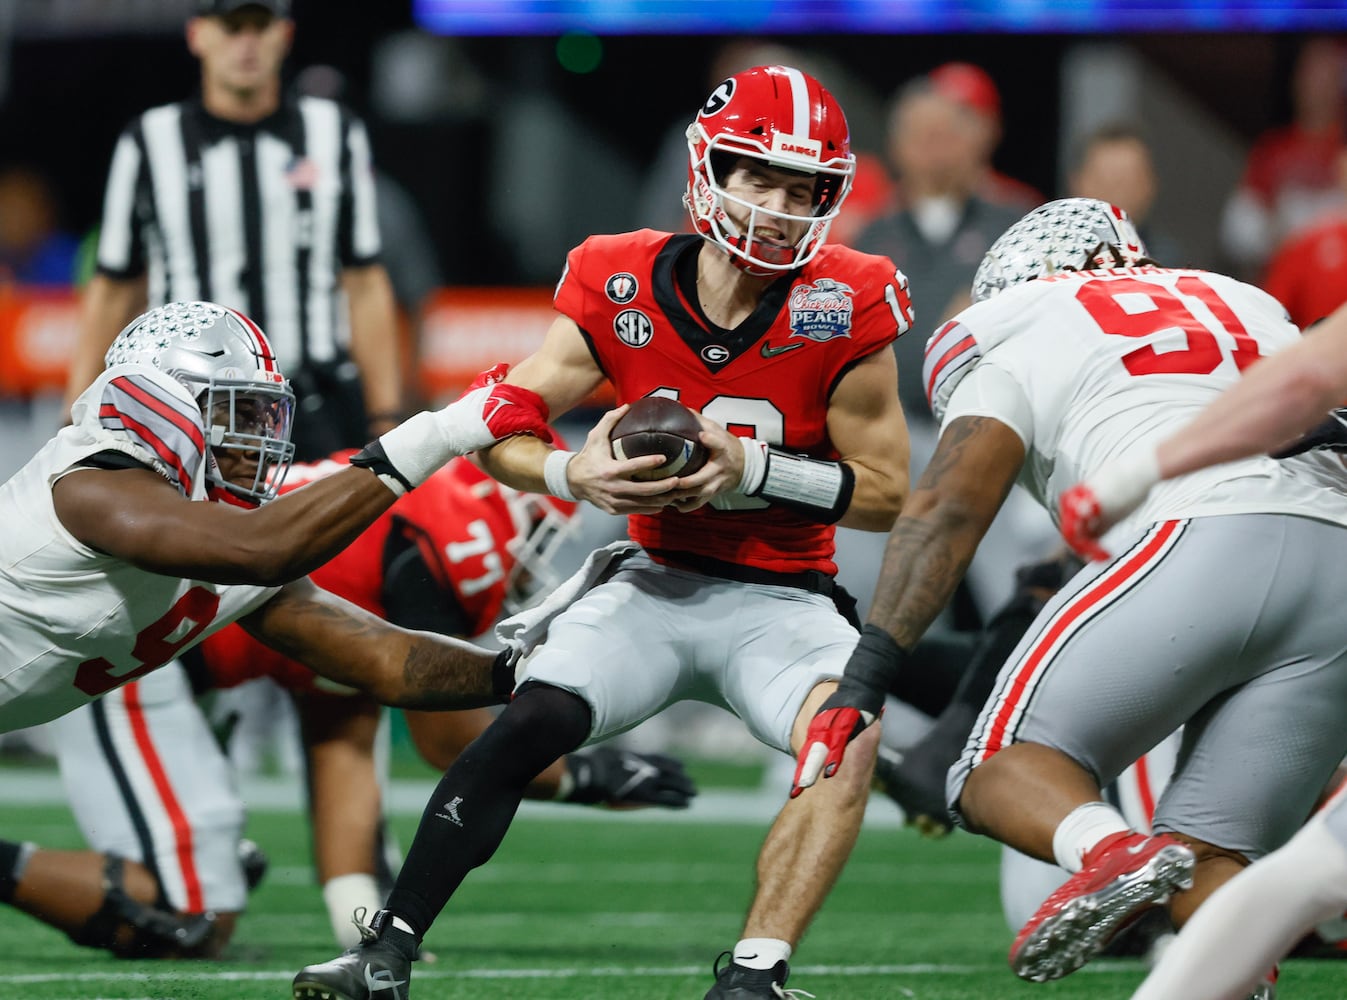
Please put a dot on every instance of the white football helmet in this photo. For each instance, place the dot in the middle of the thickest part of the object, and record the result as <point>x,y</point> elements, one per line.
<point>1071,234</point>
<point>228,366</point>
<point>542,525</point>
<point>786,119</point>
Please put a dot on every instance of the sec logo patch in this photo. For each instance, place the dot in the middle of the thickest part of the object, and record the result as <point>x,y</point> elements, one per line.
<point>633,327</point>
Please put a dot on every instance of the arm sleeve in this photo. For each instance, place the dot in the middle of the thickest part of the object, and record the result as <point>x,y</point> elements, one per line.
<point>989,391</point>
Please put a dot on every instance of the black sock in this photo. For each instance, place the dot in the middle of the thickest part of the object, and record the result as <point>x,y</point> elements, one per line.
<point>471,808</point>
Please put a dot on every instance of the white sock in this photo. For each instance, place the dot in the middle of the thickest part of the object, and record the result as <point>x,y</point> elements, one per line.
<point>761,953</point>
<point>1084,827</point>
<point>346,894</point>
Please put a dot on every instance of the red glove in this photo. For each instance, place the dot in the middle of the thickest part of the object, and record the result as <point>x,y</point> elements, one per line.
<point>510,409</point>
<point>1079,514</point>
<point>826,742</point>
<point>848,711</point>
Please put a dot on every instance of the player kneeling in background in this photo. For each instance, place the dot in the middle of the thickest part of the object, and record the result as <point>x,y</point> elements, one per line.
<point>151,787</point>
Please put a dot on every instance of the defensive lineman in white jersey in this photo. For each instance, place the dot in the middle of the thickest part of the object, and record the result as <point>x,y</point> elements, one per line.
<point>1218,613</point>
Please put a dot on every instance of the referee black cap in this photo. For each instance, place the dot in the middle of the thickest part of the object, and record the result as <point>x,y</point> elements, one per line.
<point>219,8</point>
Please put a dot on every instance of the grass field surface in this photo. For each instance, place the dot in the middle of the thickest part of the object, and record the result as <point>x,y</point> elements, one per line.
<point>584,904</point>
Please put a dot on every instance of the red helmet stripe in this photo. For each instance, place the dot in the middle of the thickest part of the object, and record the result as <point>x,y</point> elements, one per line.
<point>262,346</point>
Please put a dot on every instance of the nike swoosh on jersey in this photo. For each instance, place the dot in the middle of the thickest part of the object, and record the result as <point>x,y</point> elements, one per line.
<point>768,351</point>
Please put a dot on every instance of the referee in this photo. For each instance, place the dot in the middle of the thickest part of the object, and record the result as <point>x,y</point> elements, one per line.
<point>259,202</point>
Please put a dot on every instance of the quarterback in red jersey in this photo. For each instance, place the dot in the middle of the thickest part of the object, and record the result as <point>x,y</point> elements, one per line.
<point>725,592</point>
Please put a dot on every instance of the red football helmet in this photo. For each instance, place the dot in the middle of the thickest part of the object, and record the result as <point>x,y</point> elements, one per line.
<point>786,119</point>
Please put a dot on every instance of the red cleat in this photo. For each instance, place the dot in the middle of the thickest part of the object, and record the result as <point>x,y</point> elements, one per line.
<point>1123,876</point>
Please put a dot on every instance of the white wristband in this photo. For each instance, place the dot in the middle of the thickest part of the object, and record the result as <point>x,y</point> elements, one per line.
<point>1121,485</point>
<point>554,474</point>
<point>344,895</point>
<point>418,446</point>
<point>755,466</point>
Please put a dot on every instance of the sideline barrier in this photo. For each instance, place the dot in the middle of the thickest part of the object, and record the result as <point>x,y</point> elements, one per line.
<point>38,328</point>
<point>462,332</point>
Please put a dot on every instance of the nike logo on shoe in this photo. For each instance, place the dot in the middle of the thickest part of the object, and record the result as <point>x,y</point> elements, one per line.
<point>381,980</point>
<point>768,351</point>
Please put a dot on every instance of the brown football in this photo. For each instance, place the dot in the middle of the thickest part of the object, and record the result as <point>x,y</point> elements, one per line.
<point>657,425</point>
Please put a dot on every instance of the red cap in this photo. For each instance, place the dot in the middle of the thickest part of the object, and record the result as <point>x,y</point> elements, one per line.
<point>969,85</point>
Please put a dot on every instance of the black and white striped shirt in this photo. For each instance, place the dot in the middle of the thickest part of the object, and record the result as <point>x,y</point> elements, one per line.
<point>261,217</point>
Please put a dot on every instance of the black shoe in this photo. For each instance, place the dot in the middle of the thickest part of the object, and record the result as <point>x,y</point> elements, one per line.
<point>378,968</point>
<point>916,782</point>
<point>735,982</point>
<point>253,860</point>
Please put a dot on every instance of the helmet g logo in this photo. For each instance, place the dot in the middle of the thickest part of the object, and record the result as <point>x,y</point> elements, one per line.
<point>720,97</point>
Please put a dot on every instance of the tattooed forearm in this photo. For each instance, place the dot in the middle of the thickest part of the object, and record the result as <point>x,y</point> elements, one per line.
<point>447,674</point>
<point>933,542</point>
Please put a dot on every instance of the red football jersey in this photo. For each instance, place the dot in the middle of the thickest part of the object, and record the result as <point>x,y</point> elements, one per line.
<point>460,521</point>
<point>771,378</point>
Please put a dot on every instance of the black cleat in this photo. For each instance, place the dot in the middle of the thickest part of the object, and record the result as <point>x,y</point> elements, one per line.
<point>735,982</point>
<point>379,968</point>
<point>916,782</point>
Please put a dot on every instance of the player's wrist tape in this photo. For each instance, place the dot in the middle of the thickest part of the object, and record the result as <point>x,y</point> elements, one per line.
<point>373,457</point>
<point>1121,485</point>
<point>818,489</point>
<point>421,444</point>
<point>871,672</point>
<point>554,474</point>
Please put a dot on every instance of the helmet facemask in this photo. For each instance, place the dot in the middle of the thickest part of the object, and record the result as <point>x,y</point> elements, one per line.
<point>785,120</point>
<point>248,426</point>
<point>226,363</point>
<point>543,524</point>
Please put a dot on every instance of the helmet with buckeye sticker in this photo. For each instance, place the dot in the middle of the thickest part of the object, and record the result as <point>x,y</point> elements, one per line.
<point>227,364</point>
<point>1071,234</point>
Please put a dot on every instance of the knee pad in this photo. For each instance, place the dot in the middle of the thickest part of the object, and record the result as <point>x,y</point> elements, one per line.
<point>157,930</point>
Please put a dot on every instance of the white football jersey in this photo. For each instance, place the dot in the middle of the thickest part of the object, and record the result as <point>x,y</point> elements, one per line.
<point>77,623</point>
<point>1086,366</point>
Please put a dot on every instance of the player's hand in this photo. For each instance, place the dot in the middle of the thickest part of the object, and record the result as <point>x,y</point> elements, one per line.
<point>623,779</point>
<point>596,476</point>
<point>719,477</point>
<point>491,409</point>
<point>1090,508</point>
<point>1082,521</point>
<point>851,709</point>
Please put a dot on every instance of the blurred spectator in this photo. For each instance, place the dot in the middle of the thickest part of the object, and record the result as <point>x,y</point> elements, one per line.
<point>972,87</point>
<point>1308,273</point>
<point>34,249</point>
<point>1290,177</point>
<point>942,228</point>
<point>1113,163</point>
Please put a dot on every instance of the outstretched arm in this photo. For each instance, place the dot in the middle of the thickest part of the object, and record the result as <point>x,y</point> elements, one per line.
<point>394,666</point>
<point>930,547</point>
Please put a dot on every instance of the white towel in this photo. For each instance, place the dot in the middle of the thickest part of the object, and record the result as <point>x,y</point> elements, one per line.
<point>524,631</point>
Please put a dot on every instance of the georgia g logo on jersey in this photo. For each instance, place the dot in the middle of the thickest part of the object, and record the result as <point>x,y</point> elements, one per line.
<point>821,310</point>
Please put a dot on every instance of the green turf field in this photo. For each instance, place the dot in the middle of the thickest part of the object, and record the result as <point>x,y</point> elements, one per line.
<point>579,905</point>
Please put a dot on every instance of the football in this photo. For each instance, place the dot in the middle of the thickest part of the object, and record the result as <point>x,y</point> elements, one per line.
<point>657,425</point>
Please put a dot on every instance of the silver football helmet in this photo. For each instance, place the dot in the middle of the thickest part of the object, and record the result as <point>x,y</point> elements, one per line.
<point>1072,234</point>
<point>228,366</point>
